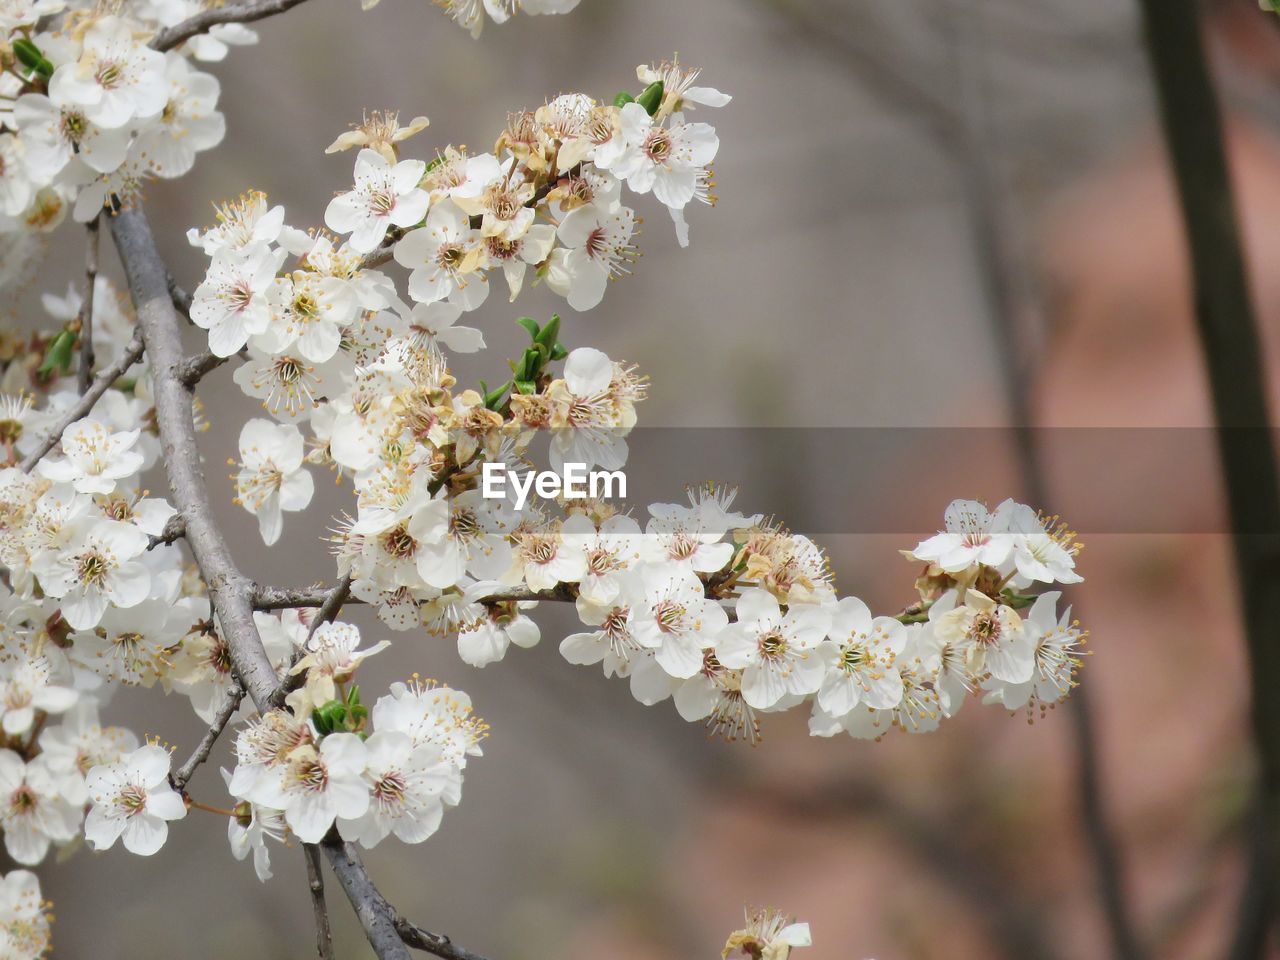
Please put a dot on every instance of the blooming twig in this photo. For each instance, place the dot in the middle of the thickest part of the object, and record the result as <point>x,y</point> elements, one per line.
<point>171,37</point>
<point>132,352</point>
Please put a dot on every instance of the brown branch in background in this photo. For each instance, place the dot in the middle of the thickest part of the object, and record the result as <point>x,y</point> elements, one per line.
<point>1016,362</point>
<point>79,409</point>
<point>955,132</point>
<point>315,883</point>
<point>84,375</point>
<point>1233,359</point>
<point>1013,924</point>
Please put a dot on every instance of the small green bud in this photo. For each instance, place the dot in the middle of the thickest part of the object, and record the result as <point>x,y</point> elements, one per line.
<point>29,56</point>
<point>547,335</point>
<point>651,99</point>
<point>58,356</point>
<point>622,99</point>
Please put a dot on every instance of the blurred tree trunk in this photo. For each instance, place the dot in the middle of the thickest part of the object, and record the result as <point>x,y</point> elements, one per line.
<point>1233,359</point>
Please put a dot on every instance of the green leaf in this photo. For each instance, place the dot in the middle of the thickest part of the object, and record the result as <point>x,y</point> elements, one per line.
<point>530,363</point>
<point>651,99</point>
<point>493,398</point>
<point>434,163</point>
<point>558,352</point>
<point>527,387</point>
<point>547,335</point>
<point>329,717</point>
<point>58,356</point>
<point>531,325</point>
<point>29,56</point>
<point>622,99</point>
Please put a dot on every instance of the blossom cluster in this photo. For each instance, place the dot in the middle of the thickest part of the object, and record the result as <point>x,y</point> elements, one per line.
<point>308,775</point>
<point>92,111</point>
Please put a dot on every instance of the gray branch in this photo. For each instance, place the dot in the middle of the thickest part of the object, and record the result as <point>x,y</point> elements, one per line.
<point>170,37</point>
<point>81,408</point>
<point>225,712</point>
<point>315,883</point>
<point>231,593</point>
<point>84,375</point>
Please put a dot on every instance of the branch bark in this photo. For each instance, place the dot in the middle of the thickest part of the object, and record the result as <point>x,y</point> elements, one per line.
<point>81,408</point>
<point>1233,359</point>
<point>225,712</point>
<point>315,883</point>
<point>201,22</point>
<point>84,375</point>
<point>229,590</point>
<point>231,593</point>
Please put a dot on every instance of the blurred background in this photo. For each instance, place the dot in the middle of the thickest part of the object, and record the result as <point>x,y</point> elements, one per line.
<point>918,201</point>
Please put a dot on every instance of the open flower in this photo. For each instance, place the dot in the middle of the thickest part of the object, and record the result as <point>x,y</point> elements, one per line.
<point>34,811</point>
<point>132,800</point>
<point>318,786</point>
<point>768,935</point>
<point>233,302</point>
<point>97,568</point>
<point>775,651</point>
<point>597,247</point>
<point>116,79</point>
<point>94,457</point>
<point>406,783</point>
<point>331,658</point>
<point>271,477</point>
<point>385,195</point>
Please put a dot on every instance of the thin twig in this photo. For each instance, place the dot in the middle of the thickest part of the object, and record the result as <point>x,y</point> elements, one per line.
<point>329,608</point>
<point>283,598</point>
<point>1233,357</point>
<point>220,720</point>
<point>173,530</point>
<point>194,368</point>
<point>201,22</point>
<point>84,375</point>
<point>78,410</point>
<point>315,883</point>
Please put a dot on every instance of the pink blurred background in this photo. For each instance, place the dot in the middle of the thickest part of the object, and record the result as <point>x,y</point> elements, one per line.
<point>838,283</point>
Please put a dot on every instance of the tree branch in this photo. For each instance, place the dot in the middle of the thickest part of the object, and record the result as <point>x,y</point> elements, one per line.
<point>80,409</point>
<point>376,915</point>
<point>220,720</point>
<point>386,929</point>
<point>230,592</point>
<point>194,368</point>
<point>1233,359</point>
<point>201,22</point>
<point>84,375</point>
<point>315,882</point>
<point>173,530</point>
